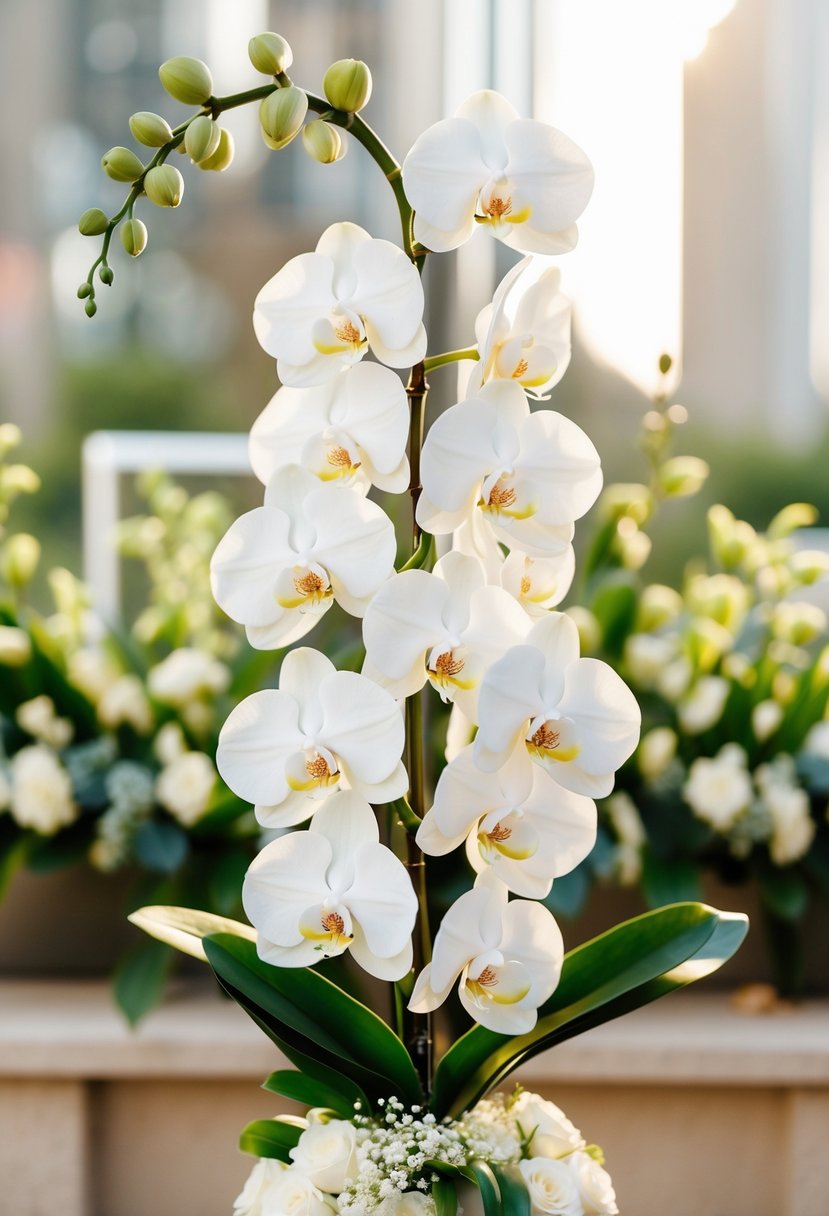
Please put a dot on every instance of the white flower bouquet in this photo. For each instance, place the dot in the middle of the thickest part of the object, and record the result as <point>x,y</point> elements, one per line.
<point>334,761</point>
<point>108,748</point>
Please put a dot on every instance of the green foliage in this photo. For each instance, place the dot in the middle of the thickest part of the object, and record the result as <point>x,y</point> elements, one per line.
<point>139,979</point>
<point>311,1092</point>
<point>270,1138</point>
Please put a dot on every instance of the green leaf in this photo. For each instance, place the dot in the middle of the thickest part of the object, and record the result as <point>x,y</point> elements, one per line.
<point>515,1199</point>
<point>666,880</point>
<point>785,892</point>
<point>445,1197</point>
<point>184,928</point>
<point>595,975</point>
<point>270,1138</point>
<point>319,1018</point>
<point>614,606</point>
<point>13,856</point>
<point>311,1092</point>
<point>140,978</point>
<point>160,846</point>
<point>226,876</point>
<point>488,1186</point>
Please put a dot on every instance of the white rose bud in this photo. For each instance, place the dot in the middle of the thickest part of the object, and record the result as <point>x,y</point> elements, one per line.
<point>124,702</point>
<point>656,751</point>
<point>185,674</point>
<point>41,796</point>
<point>703,706</point>
<point>718,790</point>
<point>766,716</point>
<point>274,1189</point>
<point>184,787</point>
<point>326,1154</point>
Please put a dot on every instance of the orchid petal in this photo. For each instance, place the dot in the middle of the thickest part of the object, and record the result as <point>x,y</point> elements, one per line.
<point>282,881</point>
<point>393,968</point>
<point>509,696</point>
<point>563,463</point>
<point>355,539</point>
<point>403,621</point>
<point>551,173</point>
<point>245,563</point>
<point>362,724</point>
<point>279,434</point>
<point>443,174</point>
<point>388,293</point>
<point>289,303</point>
<point>391,787</point>
<point>425,998</point>
<point>460,937</point>
<point>382,899</point>
<point>532,937</point>
<point>347,822</point>
<point>302,676</point>
<point>255,743</point>
<point>607,714</point>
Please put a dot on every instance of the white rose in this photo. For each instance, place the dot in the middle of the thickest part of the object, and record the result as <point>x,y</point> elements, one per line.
<point>554,1134</point>
<point>703,705</point>
<point>718,790</point>
<point>656,751</point>
<point>626,820</point>
<point>41,795</point>
<point>552,1186</point>
<point>15,646</point>
<point>125,703</point>
<point>91,671</point>
<point>186,674</point>
<point>184,787</point>
<point>793,828</point>
<point>37,717</point>
<point>765,719</point>
<point>275,1189</point>
<point>595,1187</point>
<point>817,740</point>
<point>674,679</point>
<point>170,743</point>
<point>410,1203</point>
<point>327,1154</point>
<point>647,655</point>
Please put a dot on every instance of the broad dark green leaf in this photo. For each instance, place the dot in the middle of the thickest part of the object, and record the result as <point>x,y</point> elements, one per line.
<point>270,1138</point>
<point>160,846</point>
<point>311,1092</point>
<point>515,1199</point>
<point>445,1197</point>
<point>594,975</point>
<point>488,1186</point>
<point>335,1026</point>
<point>139,979</point>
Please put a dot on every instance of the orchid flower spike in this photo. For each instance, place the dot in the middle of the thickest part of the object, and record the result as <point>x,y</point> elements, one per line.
<point>524,334</point>
<point>524,181</point>
<point>324,310</point>
<point>575,717</point>
<point>279,567</point>
<point>507,957</point>
<point>518,821</point>
<point>530,475</point>
<point>446,627</point>
<point>314,894</point>
<point>353,428</point>
<point>321,730</point>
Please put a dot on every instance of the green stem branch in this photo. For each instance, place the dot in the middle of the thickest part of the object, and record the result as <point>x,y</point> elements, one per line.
<point>450,356</point>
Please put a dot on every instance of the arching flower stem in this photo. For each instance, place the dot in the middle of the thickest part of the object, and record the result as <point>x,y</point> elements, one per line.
<point>450,356</point>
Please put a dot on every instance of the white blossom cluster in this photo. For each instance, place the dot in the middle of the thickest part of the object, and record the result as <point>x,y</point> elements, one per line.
<point>384,1163</point>
<point>480,628</point>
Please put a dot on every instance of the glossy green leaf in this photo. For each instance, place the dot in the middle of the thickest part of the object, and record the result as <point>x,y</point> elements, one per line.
<point>488,1186</point>
<point>333,1025</point>
<point>515,1198</point>
<point>140,978</point>
<point>270,1138</point>
<point>312,1092</point>
<point>596,974</point>
<point>445,1197</point>
<point>184,928</point>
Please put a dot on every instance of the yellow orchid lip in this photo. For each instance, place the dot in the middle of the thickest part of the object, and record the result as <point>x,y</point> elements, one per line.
<point>487,988</point>
<point>503,507</point>
<point>561,754</point>
<point>490,843</point>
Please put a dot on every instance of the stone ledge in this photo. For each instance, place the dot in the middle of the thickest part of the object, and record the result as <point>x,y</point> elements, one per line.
<point>70,1029</point>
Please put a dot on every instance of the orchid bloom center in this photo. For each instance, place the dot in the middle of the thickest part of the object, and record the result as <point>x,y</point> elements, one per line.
<point>526,585</point>
<point>487,978</point>
<point>497,207</point>
<point>520,369</point>
<point>340,333</point>
<point>317,768</point>
<point>551,739</point>
<point>547,736</point>
<point>501,496</point>
<point>329,925</point>
<point>499,833</point>
<point>332,922</point>
<point>339,457</point>
<point>310,583</point>
<point>314,768</point>
<point>445,668</point>
<point>306,586</point>
<point>348,332</point>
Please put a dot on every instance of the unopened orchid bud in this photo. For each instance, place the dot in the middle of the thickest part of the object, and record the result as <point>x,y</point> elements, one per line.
<point>15,646</point>
<point>809,565</point>
<point>223,156</point>
<point>11,437</point>
<point>682,476</point>
<point>634,546</point>
<point>201,139</point>
<point>134,237</point>
<point>322,142</point>
<point>121,165</point>
<point>187,79</point>
<point>795,515</point>
<point>93,222</point>
<point>658,605</point>
<point>150,129</point>
<point>18,479</point>
<point>707,642</point>
<point>281,116</point>
<point>732,540</point>
<point>270,53</point>
<point>723,598</point>
<point>590,631</point>
<point>106,275</point>
<point>656,751</point>
<point>630,499</point>
<point>90,308</point>
<point>347,85</point>
<point>766,717</point>
<point>164,186</point>
<point>798,623</point>
<point>20,556</point>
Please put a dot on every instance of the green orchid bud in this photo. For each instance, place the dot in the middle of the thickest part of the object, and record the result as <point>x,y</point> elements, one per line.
<point>18,479</point>
<point>733,541</point>
<point>658,606</point>
<point>323,142</point>
<point>682,476</point>
<point>164,186</point>
<point>809,565</point>
<point>223,156</point>
<point>15,646</point>
<point>121,165</point>
<point>281,116</point>
<point>590,631</point>
<point>106,275</point>
<point>150,129</point>
<point>798,623</point>
<point>347,85</point>
<point>795,515</point>
<point>631,499</point>
<point>84,291</point>
<point>201,139</point>
<point>93,222</point>
<point>11,437</point>
<point>90,308</point>
<point>20,556</point>
<point>270,53</point>
<point>134,237</point>
<point>187,79</point>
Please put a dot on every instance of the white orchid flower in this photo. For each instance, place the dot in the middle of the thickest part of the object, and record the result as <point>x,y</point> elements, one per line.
<point>507,957</point>
<point>279,567</point>
<point>446,627</point>
<point>518,821</point>
<point>538,583</point>
<point>524,334</point>
<point>524,181</point>
<point>322,311</point>
<point>352,428</point>
<point>314,894</point>
<point>577,717</point>
<point>530,475</point>
<point>322,729</point>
